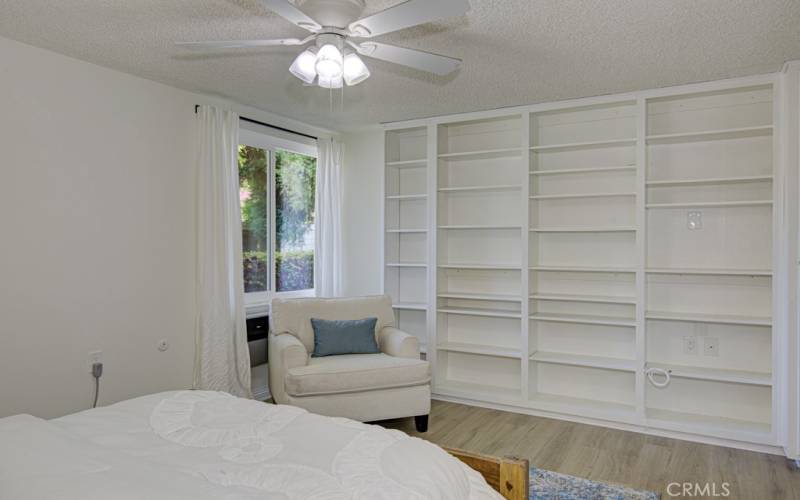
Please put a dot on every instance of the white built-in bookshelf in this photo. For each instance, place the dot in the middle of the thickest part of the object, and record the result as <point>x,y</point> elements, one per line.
<point>555,253</point>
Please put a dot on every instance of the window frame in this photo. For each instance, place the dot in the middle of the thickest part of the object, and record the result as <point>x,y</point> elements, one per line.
<point>258,301</point>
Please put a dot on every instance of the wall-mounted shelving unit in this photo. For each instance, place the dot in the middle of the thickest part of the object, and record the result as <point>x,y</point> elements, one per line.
<point>572,247</point>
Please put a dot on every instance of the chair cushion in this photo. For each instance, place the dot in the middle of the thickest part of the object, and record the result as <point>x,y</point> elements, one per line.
<point>355,373</point>
<point>344,336</point>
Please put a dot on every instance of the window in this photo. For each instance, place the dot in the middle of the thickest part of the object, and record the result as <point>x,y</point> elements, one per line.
<point>277,184</point>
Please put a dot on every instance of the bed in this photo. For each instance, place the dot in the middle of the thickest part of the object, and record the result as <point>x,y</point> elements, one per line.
<point>210,445</point>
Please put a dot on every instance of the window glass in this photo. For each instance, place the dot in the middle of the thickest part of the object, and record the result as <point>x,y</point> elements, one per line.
<point>253,190</point>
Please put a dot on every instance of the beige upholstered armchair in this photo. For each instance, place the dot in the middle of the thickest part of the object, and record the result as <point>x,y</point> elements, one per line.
<point>367,387</point>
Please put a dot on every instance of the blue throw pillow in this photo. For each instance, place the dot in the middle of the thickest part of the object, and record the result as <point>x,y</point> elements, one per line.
<point>344,336</point>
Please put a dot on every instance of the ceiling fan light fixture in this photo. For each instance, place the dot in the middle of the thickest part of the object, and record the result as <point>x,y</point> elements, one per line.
<point>304,66</point>
<point>355,71</point>
<point>329,63</point>
<point>331,83</point>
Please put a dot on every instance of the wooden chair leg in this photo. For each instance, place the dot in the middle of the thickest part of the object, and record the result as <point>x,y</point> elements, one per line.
<point>421,422</point>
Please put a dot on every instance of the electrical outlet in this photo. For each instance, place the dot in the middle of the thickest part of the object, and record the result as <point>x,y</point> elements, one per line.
<point>711,346</point>
<point>694,220</point>
<point>163,345</point>
<point>690,345</point>
<point>95,357</point>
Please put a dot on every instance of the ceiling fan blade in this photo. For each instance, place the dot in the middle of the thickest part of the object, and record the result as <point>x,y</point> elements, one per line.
<point>407,14</point>
<point>239,44</point>
<point>417,59</point>
<point>288,11</point>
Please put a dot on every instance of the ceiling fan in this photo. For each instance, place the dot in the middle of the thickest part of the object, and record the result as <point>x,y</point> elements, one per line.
<point>338,35</point>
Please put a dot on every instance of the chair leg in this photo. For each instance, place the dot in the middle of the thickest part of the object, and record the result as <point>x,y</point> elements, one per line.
<point>421,422</point>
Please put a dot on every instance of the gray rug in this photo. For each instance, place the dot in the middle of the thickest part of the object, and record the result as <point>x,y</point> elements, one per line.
<point>547,485</point>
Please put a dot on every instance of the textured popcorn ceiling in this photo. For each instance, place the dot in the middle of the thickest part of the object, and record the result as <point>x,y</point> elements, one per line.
<point>515,51</point>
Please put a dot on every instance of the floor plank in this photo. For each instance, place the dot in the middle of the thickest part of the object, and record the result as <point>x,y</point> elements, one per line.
<point>608,455</point>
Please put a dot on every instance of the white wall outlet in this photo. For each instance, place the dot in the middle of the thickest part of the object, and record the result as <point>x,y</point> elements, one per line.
<point>690,345</point>
<point>694,220</point>
<point>95,357</point>
<point>163,345</point>
<point>711,346</point>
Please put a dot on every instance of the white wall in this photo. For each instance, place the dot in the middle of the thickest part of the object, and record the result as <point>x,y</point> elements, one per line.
<point>96,231</point>
<point>362,209</point>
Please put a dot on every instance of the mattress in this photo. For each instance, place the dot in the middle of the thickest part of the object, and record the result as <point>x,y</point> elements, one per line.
<point>210,445</point>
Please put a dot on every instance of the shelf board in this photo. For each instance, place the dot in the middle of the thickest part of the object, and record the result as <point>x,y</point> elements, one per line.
<point>716,374</point>
<point>728,428</point>
<point>709,271</point>
<point>494,187</point>
<point>710,181</point>
<point>495,297</point>
<point>479,226</point>
<point>562,358</point>
<point>483,154</point>
<point>597,299</point>
<point>481,392</point>
<point>486,350</point>
<point>583,319</point>
<point>583,269</point>
<point>402,197</point>
<point>423,162</point>
<point>710,135</point>
<point>584,229</point>
<point>406,231</point>
<point>711,204</point>
<point>566,171</point>
<point>605,410</point>
<point>411,306</point>
<point>406,264</point>
<point>728,319</point>
<point>488,313</point>
<point>487,267</point>
<point>586,145</point>
<point>581,195</point>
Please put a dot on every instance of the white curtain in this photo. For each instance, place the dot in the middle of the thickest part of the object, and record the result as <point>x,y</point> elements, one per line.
<point>222,359</point>
<point>328,224</point>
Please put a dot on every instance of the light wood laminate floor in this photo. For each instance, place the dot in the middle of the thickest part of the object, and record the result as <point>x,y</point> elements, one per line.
<point>608,455</point>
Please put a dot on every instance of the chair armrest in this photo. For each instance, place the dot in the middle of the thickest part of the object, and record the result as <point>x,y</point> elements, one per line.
<point>285,352</point>
<point>398,343</point>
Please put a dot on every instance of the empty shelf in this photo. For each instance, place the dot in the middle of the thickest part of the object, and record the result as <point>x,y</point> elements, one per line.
<point>406,264</point>
<point>716,374</point>
<point>471,390</point>
<point>606,410</point>
<point>479,226</point>
<point>406,231</point>
<point>481,154</point>
<point>598,299</point>
<point>586,145</point>
<point>411,306</point>
<point>488,267</point>
<point>598,170</point>
<point>711,204</point>
<point>583,319</point>
<point>710,181</point>
<point>487,350</point>
<point>562,358</point>
<point>582,269</point>
<point>402,197</point>
<point>494,187</point>
<point>580,195</point>
<point>710,135</point>
<point>709,271</point>
<point>740,430</point>
<point>496,297</point>
<point>407,163</point>
<point>710,318</point>
<point>489,313</point>
<point>585,229</point>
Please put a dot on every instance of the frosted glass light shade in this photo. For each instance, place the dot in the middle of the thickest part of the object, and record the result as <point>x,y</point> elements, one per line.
<point>303,66</point>
<point>331,83</point>
<point>329,63</point>
<point>355,71</point>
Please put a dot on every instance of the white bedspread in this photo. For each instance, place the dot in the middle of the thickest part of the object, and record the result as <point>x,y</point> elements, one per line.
<point>207,445</point>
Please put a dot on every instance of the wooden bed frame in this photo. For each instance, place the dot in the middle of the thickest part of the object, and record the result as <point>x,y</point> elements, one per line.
<point>509,476</point>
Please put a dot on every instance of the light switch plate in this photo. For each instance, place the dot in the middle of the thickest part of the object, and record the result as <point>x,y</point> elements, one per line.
<point>694,220</point>
<point>690,345</point>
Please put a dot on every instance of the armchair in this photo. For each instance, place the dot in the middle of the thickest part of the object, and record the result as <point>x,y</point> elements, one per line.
<point>392,384</point>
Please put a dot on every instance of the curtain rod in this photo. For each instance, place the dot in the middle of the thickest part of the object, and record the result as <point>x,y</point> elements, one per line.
<point>250,120</point>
